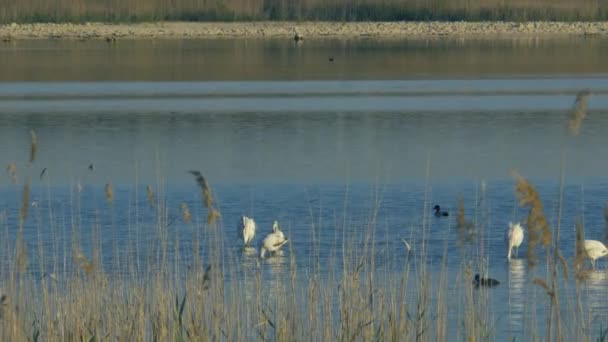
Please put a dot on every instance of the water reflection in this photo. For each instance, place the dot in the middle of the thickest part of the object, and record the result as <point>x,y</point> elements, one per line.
<point>275,266</point>
<point>517,298</point>
<point>596,282</point>
<point>282,59</point>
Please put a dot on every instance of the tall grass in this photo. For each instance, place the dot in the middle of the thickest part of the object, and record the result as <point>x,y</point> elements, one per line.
<point>167,298</point>
<point>340,10</point>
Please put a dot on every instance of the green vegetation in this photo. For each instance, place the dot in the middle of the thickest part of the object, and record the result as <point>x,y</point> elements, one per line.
<point>331,10</point>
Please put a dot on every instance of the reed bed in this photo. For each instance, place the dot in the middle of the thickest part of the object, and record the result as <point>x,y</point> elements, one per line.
<point>178,294</point>
<point>338,10</point>
<point>212,291</point>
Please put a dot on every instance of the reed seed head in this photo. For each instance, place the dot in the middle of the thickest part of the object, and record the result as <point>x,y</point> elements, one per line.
<point>213,215</point>
<point>539,231</point>
<point>578,113</point>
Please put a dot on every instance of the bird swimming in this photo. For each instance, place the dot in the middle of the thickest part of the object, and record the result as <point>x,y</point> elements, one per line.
<point>273,242</point>
<point>439,213</point>
<point>246,229</point>
<point>515,236</point>
<point>487,282</point>
<point>595,250</point>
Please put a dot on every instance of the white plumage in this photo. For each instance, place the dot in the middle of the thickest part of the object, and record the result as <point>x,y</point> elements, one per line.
<point>515,236</point>
<point>246,229</point>
<point>595,250</point>
<point>273,241</point>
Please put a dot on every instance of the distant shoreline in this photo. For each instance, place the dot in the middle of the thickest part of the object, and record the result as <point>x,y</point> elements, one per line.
<point>306,30</point>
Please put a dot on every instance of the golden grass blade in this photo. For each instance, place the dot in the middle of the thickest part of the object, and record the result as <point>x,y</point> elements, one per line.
<point>465,229</point>
<point>606,222</point>
<point>11,168</point>
<point>21,254</point>
<point>34,146</point>
<point>109,193</point>
<point>578,113</point>
<point>460,220</point>
<point>150,196</point>
<point>580,253</point>
<point>25,202</point>
<point>564,264</point>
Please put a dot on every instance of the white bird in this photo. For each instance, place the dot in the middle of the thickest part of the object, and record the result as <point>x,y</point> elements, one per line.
<point>595,250</point>
<point>515,236</point>
<point>246,229</point>
<point>273,241</point>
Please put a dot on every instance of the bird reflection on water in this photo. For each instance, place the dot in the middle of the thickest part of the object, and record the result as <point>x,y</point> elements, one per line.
<point>595,294</point>
<point>517,295</point>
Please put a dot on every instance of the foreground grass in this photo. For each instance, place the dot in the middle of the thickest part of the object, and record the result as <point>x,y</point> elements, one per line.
<point>339,10</point>
<point>57,290</point>
<point>157,291</point>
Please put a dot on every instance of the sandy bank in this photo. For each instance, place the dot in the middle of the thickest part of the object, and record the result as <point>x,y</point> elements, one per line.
<point>287,29</point>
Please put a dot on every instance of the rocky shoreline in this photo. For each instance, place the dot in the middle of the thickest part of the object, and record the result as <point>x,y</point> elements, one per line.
<point>304,30</point>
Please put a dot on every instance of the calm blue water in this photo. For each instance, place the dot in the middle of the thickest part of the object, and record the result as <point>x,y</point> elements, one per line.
<point>324,158</point>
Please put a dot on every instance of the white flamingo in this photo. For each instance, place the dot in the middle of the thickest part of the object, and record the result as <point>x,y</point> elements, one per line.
<point>246,229</point>
<point>515,236</point>
<point>595,250</point>
<point>273,241</point>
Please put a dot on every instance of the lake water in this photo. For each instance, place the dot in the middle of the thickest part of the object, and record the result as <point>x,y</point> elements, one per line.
<point>282,133</point>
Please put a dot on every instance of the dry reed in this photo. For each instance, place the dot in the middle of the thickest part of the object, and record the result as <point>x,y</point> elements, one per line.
<point>542,283</point>
<point>83,262</point>
<point>11,169</point>
<point>25,202</point>
<point>465,229</point>
<point>606,223</point>
<point>185,213</point>
<point>109,193</point>
<point>580,252</point>
<point>563,262</point>
<point>538,228</point>
<point>34,146</point>
<point>150,194</point>
<point>212,213</point>
<point>578,112</point>
<point>342,10</point>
